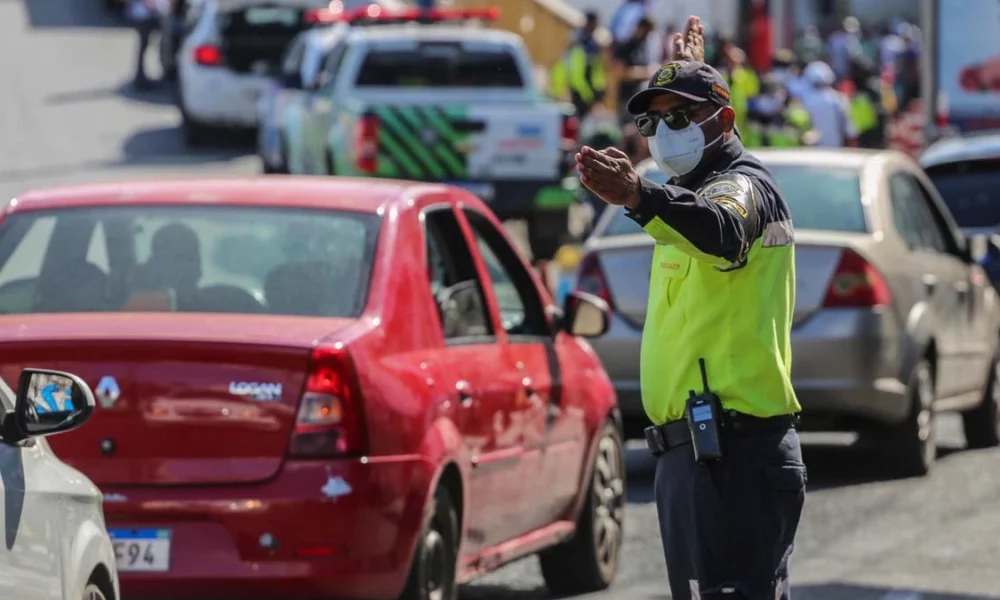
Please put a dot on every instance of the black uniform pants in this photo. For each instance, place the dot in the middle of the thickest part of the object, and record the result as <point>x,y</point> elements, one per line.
<point>728,529</point>
<point>144,29</point>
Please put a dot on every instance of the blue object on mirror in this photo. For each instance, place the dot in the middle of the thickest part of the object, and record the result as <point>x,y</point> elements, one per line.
<point>51,404</point>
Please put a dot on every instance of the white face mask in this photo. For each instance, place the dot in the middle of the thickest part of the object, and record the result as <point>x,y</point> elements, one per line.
<point>679,152</point>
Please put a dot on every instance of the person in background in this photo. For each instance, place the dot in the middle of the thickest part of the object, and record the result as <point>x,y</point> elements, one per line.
<point>828,108</point>
<point>742,81</point>
<point>634,63</point>
<point>891,46</point>
<point>145,15</point>
<point>863,94</point>
<point>626,18</point>
<point>665,43</point>
<point>908,72</point>
<point>842,45</point>
<point>776,120</point>
<point>788,70</point>
<point>581,74</point>
<point>809,46</point>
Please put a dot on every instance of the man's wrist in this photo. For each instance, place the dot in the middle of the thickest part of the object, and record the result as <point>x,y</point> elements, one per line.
<point>635,197</point>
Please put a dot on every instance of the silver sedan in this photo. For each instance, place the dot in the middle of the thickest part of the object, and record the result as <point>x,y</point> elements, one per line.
<point>893,321</point>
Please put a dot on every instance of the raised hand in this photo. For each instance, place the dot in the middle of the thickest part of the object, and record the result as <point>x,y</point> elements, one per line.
<point>689,45</point>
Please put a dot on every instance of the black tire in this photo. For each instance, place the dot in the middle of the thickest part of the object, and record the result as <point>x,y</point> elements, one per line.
<point>982,424</point>
<point>432,573</point>
<point>93,592</point>
<point>588,562</point>
<point>547,230</point>
<point>912,446</point>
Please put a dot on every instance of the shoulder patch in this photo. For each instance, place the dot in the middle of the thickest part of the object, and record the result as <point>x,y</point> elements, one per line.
<point>731,203</point>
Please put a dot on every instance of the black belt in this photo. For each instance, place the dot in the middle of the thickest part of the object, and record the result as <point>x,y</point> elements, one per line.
<point>677,433</point>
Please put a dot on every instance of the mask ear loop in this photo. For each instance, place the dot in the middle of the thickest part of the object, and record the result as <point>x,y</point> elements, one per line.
<point>706,120</point>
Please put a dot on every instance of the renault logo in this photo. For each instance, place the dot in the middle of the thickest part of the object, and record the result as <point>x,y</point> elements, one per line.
<point>107,391</point>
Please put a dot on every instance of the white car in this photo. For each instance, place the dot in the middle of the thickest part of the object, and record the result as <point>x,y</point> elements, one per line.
<point>232,54</point>
<point>56,544</point>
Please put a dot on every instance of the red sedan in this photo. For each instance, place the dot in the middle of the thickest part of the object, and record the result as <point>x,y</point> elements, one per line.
<point>316,388</point>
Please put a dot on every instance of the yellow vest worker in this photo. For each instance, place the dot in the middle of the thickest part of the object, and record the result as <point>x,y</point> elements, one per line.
<point>581,75</point>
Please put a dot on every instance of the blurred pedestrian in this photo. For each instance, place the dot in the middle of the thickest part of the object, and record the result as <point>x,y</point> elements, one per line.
<point>633,62</point>
<point>809,46</point>
<point>145,16</point>
<point>843,44</point>
<point>828,108</point>
<point>626,18</point>
<point>742,80</point>
<point>582,74</point>
<point>788,70</point>
<point>863,97</point>
<point>730,481</point>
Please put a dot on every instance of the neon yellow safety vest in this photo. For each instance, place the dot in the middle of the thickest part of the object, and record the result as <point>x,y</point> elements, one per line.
<point>722,288</point>
<point>863,113</point>
<point>580,73</point>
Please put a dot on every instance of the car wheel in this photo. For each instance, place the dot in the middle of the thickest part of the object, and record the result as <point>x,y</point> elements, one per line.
<point>913,445</point>
<point>589,561</point>
<point>982,424</point>
<point>92,592</point>
<point>432,574</point>
<point>196,135</point>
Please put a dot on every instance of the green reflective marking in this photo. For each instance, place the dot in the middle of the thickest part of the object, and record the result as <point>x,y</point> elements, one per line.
<point>442,148</point>
<point>398,154</point>
<point>387,117</point>
<point>387,167</point>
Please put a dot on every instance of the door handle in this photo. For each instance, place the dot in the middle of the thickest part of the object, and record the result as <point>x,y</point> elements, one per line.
<point>930,283</point>
<point>465,395</point>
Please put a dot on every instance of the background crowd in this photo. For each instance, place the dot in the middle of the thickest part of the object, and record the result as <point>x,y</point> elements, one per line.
<point>839,87</point>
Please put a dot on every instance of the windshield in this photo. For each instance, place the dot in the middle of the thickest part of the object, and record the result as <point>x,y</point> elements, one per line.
<point>440,65</point>
<point>187,258</point>
<point>971,190</point>
<point>823,198</point>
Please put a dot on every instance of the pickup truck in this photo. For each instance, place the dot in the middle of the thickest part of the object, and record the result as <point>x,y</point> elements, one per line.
<point>446,103</point>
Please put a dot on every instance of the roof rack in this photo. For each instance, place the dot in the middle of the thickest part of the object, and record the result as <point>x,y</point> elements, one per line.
<point>374,13</point>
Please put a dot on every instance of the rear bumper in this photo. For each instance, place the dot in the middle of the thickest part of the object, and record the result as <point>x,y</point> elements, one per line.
<point>355,545</point>
<point>219,97</point>
<point>846,365</point>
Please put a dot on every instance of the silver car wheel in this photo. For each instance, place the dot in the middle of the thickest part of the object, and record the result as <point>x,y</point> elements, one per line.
<point>925,414</point>
<point>92,592</point>
<point>609,501</point>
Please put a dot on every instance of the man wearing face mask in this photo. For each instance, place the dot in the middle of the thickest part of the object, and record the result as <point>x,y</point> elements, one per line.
<point>715,359</point>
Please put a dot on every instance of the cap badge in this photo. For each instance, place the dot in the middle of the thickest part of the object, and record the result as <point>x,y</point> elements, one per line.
<point>667,74</point>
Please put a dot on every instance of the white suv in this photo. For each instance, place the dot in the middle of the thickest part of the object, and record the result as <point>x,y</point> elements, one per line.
<point>52,515</point>
<point>231,55</point>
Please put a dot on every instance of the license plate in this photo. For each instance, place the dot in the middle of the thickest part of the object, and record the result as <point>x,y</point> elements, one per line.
<point>141,549</point>
<point>485,191</point>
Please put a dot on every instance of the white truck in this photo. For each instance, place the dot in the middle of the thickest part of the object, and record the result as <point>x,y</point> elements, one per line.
<point>454,103</point>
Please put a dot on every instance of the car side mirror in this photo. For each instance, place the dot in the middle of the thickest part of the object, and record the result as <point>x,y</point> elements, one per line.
<point>585,315</point>
<point>50,402</point>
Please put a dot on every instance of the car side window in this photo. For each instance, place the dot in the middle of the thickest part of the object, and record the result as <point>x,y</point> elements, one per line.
<point>945,239</point>
<point>293,57</point>
<point>910,215</point>
<point>453,281</point>
<point>521,310</point>
<point>331,64</point>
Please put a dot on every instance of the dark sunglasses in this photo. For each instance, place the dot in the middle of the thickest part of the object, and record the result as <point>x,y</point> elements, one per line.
<point>675,118</point>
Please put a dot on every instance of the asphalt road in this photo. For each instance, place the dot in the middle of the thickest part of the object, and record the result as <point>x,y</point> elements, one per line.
<point>67,115</point>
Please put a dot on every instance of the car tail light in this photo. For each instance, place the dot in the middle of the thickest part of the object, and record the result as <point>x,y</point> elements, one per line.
<point>366,144</point>
<point>209,56</point>
<point>329,421</point>
<point>591,279</point>
<point>856,283</point>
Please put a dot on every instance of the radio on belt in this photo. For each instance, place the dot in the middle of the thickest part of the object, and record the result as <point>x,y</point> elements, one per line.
<point>704,417</point>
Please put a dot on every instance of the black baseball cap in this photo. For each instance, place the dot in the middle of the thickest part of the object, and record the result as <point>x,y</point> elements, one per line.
<point>690,79</point>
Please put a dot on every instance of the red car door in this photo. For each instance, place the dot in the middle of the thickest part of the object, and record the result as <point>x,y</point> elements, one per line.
<point>470,362</point>
<point>553,432</point>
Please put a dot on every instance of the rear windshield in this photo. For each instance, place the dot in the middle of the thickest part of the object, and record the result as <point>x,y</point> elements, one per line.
<point>255,39</point>
<point>440,66</point>
<point>971,189</point>
<point>230,259</point>
<point>821,198</point>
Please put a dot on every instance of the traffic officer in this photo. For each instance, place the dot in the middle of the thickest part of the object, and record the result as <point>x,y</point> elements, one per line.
<point>715,358</point>
<point>581,73</point>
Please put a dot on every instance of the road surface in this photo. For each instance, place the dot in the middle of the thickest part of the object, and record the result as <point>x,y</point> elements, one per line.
<point>67,116</point>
